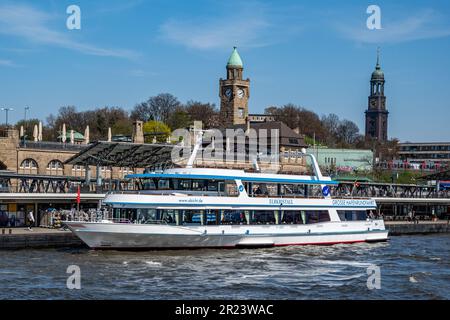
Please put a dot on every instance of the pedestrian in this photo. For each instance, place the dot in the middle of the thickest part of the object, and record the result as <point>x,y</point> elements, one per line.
<point>410,216</point>
<point>30,220</point>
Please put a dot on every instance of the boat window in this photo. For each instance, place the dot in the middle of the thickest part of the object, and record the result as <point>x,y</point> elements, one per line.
<point>163,184</point>
<point>191,216</point>
<point>146,215</point>
<point>231,189</point>
<point>352,215</point>
<point>168,216</point>
<point>264,217</point>
<point>291,217</point>
<point>148,184</point>
<point>124,215</point>
<point>316,216</point>
<point>233,217</point>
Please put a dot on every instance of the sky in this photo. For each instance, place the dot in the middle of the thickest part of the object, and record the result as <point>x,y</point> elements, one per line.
<point>315,54</point>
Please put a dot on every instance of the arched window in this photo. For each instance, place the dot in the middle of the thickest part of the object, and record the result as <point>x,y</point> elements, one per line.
<point>55,168</point>
<point>28,166</point>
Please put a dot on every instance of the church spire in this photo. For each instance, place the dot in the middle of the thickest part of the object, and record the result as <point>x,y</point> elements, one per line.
<point>378,59</point>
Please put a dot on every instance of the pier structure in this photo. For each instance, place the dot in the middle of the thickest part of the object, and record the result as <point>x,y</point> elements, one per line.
<point>101,167</point>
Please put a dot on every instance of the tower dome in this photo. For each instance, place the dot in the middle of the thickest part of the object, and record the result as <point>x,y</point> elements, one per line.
<point>235,60</point>
<point>378,74</point>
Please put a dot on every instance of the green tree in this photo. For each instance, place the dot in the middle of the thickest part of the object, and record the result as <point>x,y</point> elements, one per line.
<point>28,127</point>
<point>156,129</point>
<point>179,119</point>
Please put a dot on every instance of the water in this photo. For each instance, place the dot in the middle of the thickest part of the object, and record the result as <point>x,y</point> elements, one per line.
<point>412,267</point>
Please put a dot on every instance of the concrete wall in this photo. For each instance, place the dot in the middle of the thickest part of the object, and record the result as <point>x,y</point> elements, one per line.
<point>420,228</point>
<point>54,240</point>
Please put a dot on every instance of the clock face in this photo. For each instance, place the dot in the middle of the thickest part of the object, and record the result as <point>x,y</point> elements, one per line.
<point>228,93</point>
<point>240,93</point>
<point>373,103</point>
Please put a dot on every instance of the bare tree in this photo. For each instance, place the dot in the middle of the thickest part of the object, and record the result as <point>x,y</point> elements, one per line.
<point>157,108</point>
<point>347,132</point>
<point>204,112</point>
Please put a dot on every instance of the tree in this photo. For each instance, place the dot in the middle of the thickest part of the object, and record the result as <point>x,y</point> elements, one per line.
<point>141,112</point>
<point>156,129</point>
<point>98,120</point>
<point>179,119</point>
<point>347,132</point>
<point>204,112</point>
<point>123,127</point>
<point>28,127</point>
<point>157,108</point>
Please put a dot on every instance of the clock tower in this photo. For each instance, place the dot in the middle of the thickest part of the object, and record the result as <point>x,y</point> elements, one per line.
<point>377,114</point>
<point>234,93</point>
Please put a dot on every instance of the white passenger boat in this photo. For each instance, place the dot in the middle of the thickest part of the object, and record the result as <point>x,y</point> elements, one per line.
<point>223,208</point>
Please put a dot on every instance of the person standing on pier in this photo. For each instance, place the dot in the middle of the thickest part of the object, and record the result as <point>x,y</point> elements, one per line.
<point>30,219</point>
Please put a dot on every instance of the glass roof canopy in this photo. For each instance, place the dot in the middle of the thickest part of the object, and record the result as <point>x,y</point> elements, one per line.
<point>123,154</point>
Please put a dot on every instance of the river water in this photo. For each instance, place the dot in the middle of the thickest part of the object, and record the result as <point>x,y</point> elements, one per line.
<point>411,267</point>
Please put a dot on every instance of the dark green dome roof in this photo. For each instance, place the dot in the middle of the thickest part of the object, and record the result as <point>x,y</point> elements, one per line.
<point>378,73</point>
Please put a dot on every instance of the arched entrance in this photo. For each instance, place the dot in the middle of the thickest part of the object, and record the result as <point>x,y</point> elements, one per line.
<point>2,166</point>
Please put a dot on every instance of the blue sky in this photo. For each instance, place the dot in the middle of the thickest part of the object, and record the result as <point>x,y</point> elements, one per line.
<point>317,54</point>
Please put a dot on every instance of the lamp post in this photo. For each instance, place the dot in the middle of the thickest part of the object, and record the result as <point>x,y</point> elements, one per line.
<point>7,111</point>
<point>25,124</point>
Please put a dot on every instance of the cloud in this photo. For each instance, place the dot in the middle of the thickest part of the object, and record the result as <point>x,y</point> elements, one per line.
<point>424,25</point>
<point>254,25</point>
<point>118,6</point>
<point>7,63</point>
<point>32,25</point>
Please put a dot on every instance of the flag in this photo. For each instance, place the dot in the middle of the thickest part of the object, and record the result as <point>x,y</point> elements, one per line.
<point>78,195</point>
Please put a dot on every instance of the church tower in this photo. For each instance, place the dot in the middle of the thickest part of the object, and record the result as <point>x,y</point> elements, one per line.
<point>234,93</point>
<point>376,113</point>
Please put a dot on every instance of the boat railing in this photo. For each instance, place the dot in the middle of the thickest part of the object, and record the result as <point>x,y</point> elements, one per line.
<point>219,194</point>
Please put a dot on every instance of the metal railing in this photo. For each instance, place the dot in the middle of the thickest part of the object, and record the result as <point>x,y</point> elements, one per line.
<point>48,145</point>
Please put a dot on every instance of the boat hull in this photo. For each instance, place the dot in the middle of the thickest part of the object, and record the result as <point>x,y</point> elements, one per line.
<point>139,237</point>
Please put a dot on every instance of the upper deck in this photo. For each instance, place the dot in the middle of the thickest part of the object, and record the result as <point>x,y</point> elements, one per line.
<point>229,174</point>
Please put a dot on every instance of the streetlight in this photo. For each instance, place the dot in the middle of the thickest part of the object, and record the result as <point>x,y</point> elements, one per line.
<point>25,124</point>
<point>6,111</point>
<point>26,109</point>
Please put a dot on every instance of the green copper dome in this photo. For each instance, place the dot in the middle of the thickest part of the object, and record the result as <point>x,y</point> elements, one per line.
<point>378,73</point>
<point>235,60</point>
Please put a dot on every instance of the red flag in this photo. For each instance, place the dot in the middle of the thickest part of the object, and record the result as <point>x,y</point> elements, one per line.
<point>78,195</point>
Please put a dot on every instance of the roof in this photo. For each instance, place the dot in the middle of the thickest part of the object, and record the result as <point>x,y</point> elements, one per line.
<point>76,135</point>
<point>230,174</point>
<point>288,137</point>
<point>123,154</point>
<point>235,60</point>
<point>378,73</point>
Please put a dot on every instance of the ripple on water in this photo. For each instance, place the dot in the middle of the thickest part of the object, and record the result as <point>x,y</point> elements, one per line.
<point>416,267</point>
